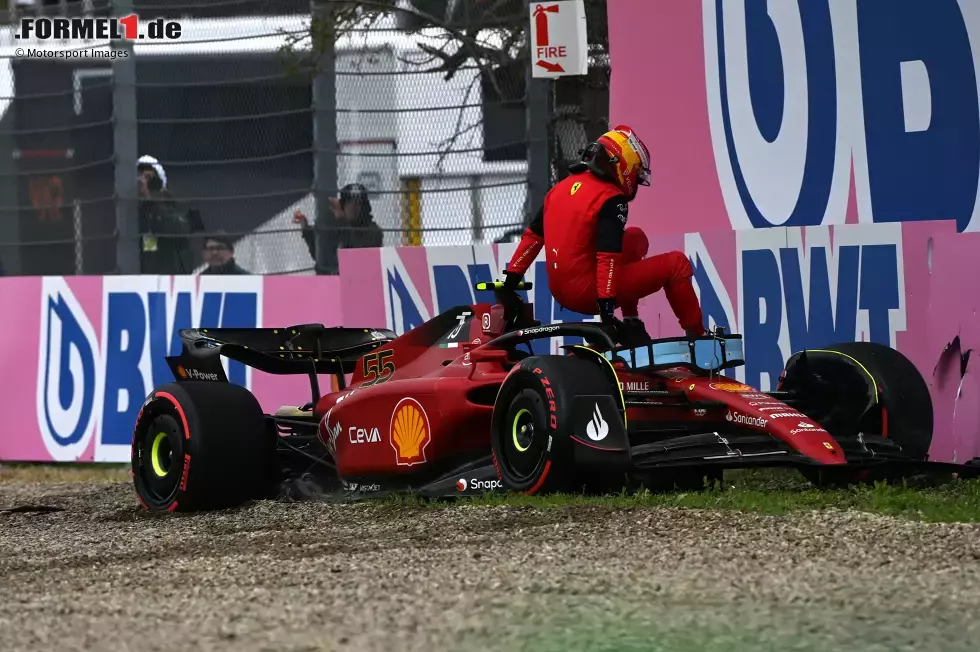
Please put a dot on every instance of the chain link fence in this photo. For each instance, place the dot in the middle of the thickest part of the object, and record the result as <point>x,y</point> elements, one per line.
<point>438,139</point>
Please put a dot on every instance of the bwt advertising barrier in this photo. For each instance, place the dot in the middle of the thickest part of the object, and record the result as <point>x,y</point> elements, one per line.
<point>819,162</point>
<point>81,353</point>
<point>909,286</point>
<point>854,125</point>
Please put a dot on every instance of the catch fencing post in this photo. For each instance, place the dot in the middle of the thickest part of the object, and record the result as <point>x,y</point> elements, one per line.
<point>539,101</point>
<point>126,150</point>
<point>324,141</point>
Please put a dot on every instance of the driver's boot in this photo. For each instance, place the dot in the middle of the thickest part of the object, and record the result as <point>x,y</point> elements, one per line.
<point>633,332</point>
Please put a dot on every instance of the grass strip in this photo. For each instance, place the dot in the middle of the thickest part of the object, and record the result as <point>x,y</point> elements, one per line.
<point>777,491</point>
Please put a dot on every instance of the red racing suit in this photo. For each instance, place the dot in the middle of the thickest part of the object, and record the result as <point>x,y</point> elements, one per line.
<point>593,259</point>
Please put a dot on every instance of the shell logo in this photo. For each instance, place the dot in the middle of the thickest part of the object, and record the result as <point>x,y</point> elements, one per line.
<point>730,387</point>
<point>181,371</point>
<point>410,433</point>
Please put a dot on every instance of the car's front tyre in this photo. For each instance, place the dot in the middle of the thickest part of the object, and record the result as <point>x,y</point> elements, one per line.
<point>533,420</point>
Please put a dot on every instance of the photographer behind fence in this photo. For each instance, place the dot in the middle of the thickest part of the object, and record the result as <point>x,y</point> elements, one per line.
<point>219,254</point>
<point>357,228</point>
<point>165,231</point>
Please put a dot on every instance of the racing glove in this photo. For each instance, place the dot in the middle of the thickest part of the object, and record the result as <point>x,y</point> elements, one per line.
<point>607,310</point>
<point>607,313</point>
<point>510,300</point>
<point>511,280</point>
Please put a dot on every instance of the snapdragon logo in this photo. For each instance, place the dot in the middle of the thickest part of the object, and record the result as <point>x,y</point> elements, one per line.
<point>486,485</point>
<point>745,420</point>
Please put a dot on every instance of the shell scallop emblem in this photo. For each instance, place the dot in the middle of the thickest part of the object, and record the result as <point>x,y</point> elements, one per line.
<point>731,387</point>
<point>409,434</point>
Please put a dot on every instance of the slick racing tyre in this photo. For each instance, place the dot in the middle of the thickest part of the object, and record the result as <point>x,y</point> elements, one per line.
<point>851,377</point>
<point>532,422</point>
<point>201,445</point>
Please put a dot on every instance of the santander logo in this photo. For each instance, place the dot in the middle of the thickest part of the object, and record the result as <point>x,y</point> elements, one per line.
<point>745,420</point>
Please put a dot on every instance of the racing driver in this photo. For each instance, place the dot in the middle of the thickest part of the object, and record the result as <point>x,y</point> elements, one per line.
<point>595,262</point>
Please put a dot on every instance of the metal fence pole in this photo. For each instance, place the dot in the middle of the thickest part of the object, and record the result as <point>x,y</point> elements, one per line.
<point>324,155</point>
<point>10,224</point>
<point>540,101</point>
<point>126,150</point>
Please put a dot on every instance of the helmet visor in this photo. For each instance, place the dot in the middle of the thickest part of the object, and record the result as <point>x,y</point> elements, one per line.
<point>643,177</point>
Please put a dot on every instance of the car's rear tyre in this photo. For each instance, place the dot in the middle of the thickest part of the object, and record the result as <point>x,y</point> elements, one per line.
<point>532,422</point>
<point>201,445</point>
<point>849,374</point>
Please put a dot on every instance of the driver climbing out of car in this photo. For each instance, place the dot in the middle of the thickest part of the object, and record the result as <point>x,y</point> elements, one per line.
<point>595,262</point>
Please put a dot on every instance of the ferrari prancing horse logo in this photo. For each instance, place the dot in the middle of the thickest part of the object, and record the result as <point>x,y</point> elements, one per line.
<point>576,186</point>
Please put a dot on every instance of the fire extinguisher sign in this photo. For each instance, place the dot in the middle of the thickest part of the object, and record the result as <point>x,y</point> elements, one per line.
<point>559,45</point>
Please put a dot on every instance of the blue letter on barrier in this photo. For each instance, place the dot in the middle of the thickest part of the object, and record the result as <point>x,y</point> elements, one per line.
<point>760,280</point>
<point>125,333</point>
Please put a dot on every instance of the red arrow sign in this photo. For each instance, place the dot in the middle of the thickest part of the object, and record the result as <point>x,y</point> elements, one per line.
<point>551,67</point>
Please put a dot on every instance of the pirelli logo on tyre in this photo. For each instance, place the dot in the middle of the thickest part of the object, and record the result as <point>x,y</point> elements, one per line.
<point>549,394</point>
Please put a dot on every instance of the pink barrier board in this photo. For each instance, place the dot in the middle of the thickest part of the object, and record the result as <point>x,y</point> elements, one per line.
<point>908,286</point>
<point>793,113</point>
<point>85,351</point>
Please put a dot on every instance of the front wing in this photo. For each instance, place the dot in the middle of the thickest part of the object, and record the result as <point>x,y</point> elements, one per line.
<point>608,445</point>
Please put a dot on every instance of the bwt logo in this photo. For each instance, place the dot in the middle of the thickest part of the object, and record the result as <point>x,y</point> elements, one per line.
<point>451,273</point>
<point>798,92</point>
<point>95,381</point>
<point>789,296</point>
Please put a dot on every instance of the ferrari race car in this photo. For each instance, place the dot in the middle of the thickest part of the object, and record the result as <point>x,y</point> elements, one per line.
<point>457,407</point>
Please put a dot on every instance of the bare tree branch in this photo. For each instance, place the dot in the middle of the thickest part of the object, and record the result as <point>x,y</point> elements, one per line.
<point>447,145</point>
<point>492,34</point>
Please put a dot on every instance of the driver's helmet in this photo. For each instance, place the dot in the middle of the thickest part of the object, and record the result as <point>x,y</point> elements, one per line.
<point>618,156</point>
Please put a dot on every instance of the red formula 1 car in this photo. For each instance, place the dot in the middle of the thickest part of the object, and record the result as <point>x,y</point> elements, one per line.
<point>456,407</point>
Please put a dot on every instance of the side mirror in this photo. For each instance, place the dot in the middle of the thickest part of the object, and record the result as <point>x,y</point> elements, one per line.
<point>488,355</point>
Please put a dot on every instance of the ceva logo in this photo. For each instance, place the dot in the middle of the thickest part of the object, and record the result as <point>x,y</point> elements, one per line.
<point>92,381</point>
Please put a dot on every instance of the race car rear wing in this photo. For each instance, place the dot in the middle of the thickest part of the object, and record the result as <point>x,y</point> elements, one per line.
<point>305,349</point>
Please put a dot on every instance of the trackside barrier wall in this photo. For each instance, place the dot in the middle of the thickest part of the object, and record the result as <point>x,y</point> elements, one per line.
<point>911,286</point>
<point>825,189</point>
<point>80,354</point>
